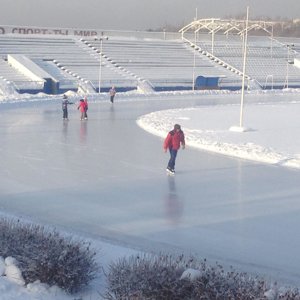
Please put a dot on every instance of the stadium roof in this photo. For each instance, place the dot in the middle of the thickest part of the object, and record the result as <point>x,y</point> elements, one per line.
<point>237,27</point>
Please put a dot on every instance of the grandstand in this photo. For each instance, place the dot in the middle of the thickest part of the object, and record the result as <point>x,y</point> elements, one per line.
<point>269,62</point>
<point>54,64</point>
<point>67,60</point>
<point>165,65</point>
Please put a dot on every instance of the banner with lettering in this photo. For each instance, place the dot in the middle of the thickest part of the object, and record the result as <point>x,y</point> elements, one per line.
<point>24,30</point>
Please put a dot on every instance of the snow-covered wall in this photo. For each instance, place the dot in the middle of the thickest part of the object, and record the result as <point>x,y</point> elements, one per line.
<point>30,69</point>
<point>27,67</point>
<point>297,62</point>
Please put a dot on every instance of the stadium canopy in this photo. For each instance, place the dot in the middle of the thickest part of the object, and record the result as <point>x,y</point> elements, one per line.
<point>237,27</point>
<point>234,27</point>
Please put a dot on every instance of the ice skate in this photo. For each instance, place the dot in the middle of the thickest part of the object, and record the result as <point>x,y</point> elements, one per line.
<point>170,171</point>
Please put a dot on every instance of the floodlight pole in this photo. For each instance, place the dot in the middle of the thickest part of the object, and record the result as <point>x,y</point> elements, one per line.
<point>194,63</point>
<point>100,66</point>
<point>244,68</point>
<point>287,65</point>
<point>100,61</point>
<point>272,37</point>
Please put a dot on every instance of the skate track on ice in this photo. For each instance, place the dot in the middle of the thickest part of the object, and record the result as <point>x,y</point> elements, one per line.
<point>105,178</point>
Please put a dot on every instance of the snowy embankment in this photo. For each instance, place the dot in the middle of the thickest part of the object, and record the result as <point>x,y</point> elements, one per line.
<point>272,135</point>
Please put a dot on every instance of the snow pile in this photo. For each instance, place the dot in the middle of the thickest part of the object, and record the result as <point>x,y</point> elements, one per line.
<point>271,139</point>
<point>190,274</point>
<point>12,272</point>
<point>12,284</point>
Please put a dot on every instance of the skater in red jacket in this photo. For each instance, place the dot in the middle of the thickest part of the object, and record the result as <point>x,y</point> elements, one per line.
<point>174,139</point>
<point>81,107</point>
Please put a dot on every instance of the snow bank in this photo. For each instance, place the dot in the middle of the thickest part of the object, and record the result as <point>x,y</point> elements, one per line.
<point>273,137</point>
<point>12,284</point>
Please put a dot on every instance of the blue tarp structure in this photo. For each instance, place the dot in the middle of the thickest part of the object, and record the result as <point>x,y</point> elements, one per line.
<point>207,83</point>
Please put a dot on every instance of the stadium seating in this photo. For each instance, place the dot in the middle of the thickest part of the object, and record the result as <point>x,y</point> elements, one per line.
<point>269,61</point>
<point>154,64</point>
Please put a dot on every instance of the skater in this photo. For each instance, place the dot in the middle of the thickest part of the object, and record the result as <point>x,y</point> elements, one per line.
<point>81,108</point>
<point>174,139</point>
<point>86,108</point>
<point>112,93</point>
<point>65,104</point>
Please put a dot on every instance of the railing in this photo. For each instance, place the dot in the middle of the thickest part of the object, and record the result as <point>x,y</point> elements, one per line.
<point>221,62</point>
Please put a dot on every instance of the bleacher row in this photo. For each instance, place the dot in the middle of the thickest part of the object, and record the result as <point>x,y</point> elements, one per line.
<point>129,63</point>
<point>269,61</point>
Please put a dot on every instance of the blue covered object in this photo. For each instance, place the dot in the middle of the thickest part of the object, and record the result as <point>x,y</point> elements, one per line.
<point>207,83</point>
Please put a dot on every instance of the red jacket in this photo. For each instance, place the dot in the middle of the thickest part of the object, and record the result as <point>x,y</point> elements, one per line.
<point>81,106</point>
<point>174,139</point>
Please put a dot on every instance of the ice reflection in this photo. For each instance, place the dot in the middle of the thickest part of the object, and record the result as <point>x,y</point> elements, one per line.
<point>65,130</point>
<point>173,203</point>
<point>83,131</point>
<point>112,113</point>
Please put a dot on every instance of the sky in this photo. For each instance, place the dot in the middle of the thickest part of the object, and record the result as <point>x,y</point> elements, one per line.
<point>135,14</point>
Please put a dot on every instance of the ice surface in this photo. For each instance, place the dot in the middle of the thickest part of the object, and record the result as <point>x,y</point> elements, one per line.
<point>105,178</point>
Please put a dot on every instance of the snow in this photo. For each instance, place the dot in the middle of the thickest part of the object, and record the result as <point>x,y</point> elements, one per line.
<point>269,135</point>
<point>12,272</point>
<point>190,274</point>
<point>270,139</point>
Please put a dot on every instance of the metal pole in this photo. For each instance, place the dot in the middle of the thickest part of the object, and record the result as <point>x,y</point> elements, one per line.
<point>100,66</point>
<point>212,41</point>
<point>287,67</point>
<point>272,41</point>
<point>244,68</point>
<point>194,64</point>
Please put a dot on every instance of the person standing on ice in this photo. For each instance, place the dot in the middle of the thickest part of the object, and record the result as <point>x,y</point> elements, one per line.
<point>112,93</point>
<point>65,104</point>
<point>86,108</point>
<point>81,108</point>
<point>173,141</point>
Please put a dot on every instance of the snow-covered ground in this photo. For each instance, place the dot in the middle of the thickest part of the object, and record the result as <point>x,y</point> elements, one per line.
<point>272,138</point>
<point>268,133</point>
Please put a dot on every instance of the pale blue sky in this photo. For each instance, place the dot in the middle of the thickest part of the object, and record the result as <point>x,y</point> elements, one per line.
<point>135,14</point>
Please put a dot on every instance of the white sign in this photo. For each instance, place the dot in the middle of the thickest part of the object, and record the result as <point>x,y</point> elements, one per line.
<point>47,31</point>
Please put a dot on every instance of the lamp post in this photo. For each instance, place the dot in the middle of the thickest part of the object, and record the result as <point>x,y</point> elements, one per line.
<point>101,39</point>
<point>244,68</point>
<point>194,62</point>
<point>240,128</point>
<point>289,47</point>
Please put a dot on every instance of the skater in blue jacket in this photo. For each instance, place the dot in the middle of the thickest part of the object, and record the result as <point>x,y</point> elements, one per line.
<point>65,104</point>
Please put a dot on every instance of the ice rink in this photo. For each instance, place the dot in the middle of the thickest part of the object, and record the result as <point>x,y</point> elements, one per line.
<point>105,178</point>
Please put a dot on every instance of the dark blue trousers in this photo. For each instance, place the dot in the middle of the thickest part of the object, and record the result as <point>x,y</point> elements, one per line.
<point>173,154</point>
<point>65,113</point>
